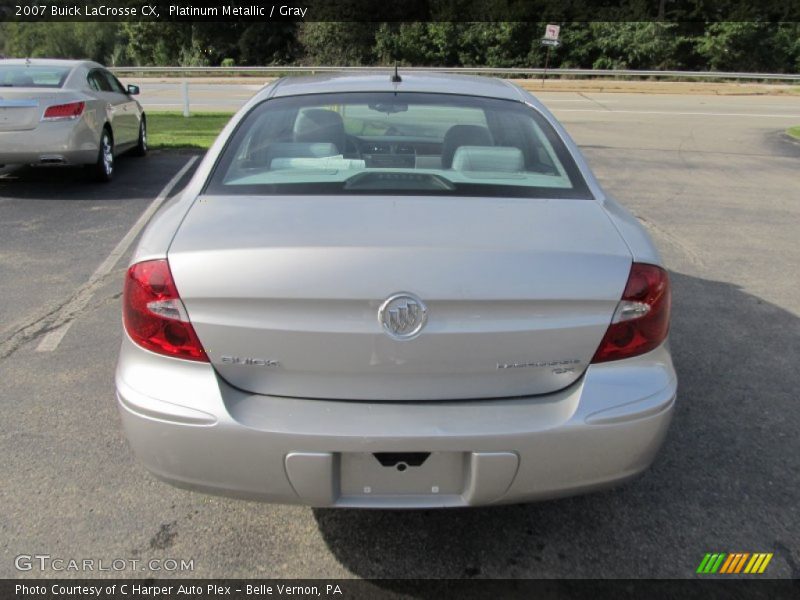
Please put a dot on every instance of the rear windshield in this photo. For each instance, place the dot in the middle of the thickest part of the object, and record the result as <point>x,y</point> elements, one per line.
<point>396,143</point>
<point>32,76</point>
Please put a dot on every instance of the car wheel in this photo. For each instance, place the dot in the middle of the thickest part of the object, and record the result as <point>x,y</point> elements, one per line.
<point>103,169</point>
<point>141,146</point>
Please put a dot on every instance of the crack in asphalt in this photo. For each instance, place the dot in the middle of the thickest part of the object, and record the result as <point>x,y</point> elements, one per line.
<point>53,317</point>
<point>597,102</point>
<point>57,320</point>
<point>42,323</point>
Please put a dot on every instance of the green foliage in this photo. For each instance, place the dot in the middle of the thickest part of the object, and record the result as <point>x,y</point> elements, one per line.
<point>227,62</point>
<point>644,45</point>
<point>433,44</point>
<point>748,46</point>
<point>95,41</point>
<point>267,43</point>
<point>337,44</point>
<point>500,44</point>
<point>737,46</point>
<point>507,44</point>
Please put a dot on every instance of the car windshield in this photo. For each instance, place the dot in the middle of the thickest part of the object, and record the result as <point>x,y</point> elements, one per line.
<point>396,143</point>
<point>32,76</point>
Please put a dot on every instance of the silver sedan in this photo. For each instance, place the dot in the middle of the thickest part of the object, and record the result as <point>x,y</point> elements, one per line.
<point>395,293</point>
<point>62,112</point>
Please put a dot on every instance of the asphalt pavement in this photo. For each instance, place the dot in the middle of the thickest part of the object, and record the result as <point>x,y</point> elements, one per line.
<point>715,181</point>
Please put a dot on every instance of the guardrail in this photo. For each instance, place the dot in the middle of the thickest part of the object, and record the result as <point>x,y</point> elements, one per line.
<point>619,73</point>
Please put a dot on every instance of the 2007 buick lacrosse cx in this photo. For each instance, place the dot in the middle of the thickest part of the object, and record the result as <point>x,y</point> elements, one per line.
<point>395,291</point>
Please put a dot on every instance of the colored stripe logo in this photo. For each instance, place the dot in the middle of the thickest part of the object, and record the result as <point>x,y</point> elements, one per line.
<point>735,563</point>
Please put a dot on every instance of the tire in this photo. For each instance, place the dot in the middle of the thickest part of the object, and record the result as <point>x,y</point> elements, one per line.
<point>103,169</point>
<point>141,146</point>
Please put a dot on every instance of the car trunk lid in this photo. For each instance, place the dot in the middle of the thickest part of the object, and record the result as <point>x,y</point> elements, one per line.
<point>284,292</point>
<point>21,109</point>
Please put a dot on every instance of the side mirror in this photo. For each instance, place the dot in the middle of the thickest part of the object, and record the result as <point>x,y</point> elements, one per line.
<point>133,90</point>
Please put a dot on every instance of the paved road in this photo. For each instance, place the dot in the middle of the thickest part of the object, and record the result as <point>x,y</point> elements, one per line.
<point>227,96</point>
<point>202,96</point>
<point>720,193</point>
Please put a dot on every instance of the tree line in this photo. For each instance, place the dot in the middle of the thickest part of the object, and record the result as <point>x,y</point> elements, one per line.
<point>724,46</point>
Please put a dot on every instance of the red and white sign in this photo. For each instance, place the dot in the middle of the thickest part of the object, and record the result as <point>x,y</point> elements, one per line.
<point>551,32</point>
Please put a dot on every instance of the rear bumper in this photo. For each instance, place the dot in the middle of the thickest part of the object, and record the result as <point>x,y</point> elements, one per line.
<point>51,143</point>
<point>192,429</point>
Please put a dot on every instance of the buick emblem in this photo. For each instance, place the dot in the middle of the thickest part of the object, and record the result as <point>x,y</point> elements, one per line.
<point>403,316</point>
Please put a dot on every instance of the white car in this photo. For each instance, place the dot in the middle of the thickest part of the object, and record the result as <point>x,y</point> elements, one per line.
<point>67,112</point>
<point>382,293</point>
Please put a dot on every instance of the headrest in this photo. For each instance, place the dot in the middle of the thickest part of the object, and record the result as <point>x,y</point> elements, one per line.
<point>320,125</point>
<point>504,159</point>
<point>22,80</point>
<point>463,135</point>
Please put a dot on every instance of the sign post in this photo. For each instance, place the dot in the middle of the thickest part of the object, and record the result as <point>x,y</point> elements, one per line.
<point>550,40</point>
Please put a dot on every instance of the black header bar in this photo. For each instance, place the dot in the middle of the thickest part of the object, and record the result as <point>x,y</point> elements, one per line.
<point>557,11</point>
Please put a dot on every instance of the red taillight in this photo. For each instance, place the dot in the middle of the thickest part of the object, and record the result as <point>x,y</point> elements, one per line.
<point>154,315</point>
<point>641,320</point>
<point>65,111</point>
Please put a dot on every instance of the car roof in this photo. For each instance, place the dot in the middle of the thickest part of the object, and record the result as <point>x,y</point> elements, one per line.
<point>49,62</point>
<point>380,81</point>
